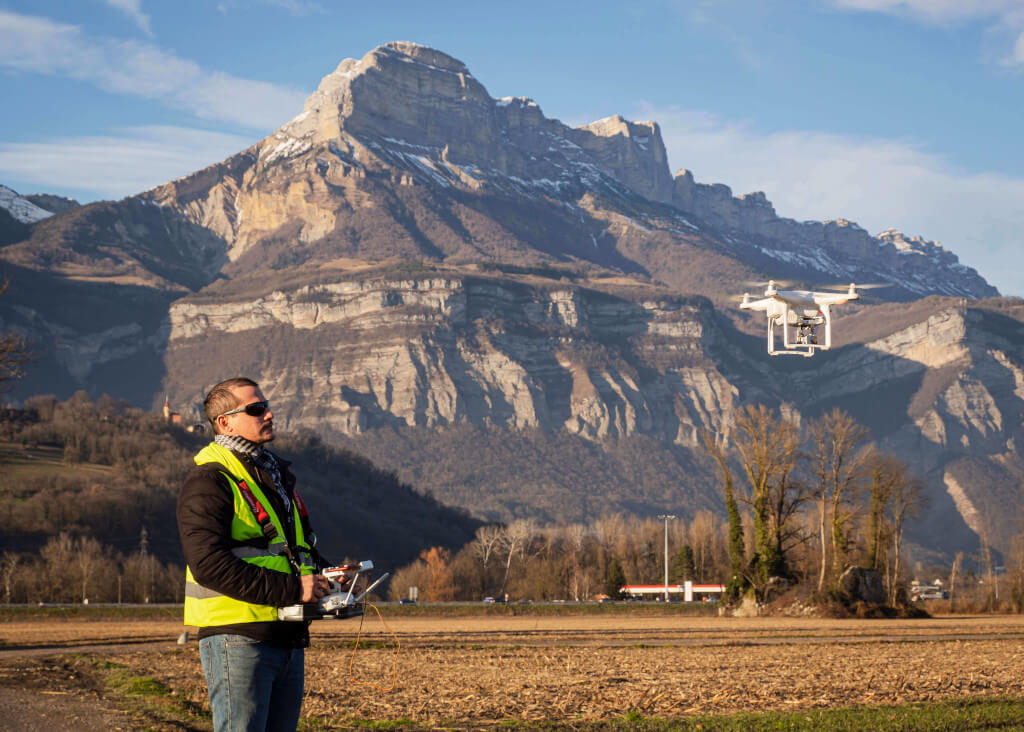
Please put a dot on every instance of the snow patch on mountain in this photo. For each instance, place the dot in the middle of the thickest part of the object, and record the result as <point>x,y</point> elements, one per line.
<point>20,208</point>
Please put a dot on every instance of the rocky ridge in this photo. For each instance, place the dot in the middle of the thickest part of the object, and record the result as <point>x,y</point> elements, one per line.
<point>412,117</point>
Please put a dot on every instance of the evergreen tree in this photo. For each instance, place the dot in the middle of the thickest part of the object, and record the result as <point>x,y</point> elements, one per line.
<point>615,579</point>
<point>738,581</point>
<point>683,568</point>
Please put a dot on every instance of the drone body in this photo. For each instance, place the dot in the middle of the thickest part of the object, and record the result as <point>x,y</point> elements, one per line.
<point>799,313</point>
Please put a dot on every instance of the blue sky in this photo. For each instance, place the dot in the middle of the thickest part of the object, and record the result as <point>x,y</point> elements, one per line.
<point>891,113</point>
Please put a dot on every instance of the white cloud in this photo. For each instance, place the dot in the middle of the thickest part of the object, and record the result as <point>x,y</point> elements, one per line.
<point>1018,50</point>
<point>1004,17</point>
<point>115,166</point>
<point>133,9</point>
<point>937,10</point>
<point>876,182</point>
<point>295,7</point>
<point>38,45</point>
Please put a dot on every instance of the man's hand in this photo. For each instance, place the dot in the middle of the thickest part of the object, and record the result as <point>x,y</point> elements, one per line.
<point>314,586</point>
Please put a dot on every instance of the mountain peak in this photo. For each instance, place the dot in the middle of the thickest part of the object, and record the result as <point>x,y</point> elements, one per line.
<point>415,121</point>
<point>424,55</point>
<point>421,113</point>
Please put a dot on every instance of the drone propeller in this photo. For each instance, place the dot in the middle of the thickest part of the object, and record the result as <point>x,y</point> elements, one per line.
<point>858,285</point>
<point>769,283</point>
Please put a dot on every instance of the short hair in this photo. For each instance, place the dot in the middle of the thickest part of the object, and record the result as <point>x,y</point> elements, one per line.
<point>221,399</point>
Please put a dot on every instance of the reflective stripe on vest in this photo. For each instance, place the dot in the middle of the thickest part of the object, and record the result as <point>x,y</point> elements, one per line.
<point>205,607</point>
<point>250,552</point>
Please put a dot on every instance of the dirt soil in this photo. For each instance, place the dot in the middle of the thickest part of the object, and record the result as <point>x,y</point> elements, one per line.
<point>474,672</point>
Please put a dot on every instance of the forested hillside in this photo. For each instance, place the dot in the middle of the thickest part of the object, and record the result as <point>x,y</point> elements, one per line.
<point>551,478</point>
<point>100,479</point>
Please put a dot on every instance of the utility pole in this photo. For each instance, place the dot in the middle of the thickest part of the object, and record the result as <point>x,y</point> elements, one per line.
<point>666,517</point>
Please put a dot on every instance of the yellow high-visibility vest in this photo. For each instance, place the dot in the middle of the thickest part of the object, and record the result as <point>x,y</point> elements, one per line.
<point>205,607</point>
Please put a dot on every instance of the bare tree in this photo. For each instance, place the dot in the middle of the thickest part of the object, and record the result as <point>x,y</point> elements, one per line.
<point>838,466</point>
<point>769,448</point>
<point>404,578</point>
<point>57,555</point>
<point>906,502</point>
<point>954,575</point>
<point>702,539</point>
<point>1015,573</point>
<point>991,589</point>
<point>484,546</point>
<point>579,579</point>
<point>607,530</point>
<point>8,563</point>
<point>514,541</point>
<point>88,559</point>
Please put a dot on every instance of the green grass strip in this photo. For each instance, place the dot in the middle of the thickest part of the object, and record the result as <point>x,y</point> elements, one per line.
<point>956,715</point>
<point>959,715</point>
<point>144,696</point>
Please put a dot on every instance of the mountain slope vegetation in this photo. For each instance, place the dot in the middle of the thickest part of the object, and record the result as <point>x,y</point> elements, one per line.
<point>105,470</point>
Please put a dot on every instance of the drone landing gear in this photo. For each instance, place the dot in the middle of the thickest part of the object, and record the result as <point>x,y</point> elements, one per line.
<point>799,333</point>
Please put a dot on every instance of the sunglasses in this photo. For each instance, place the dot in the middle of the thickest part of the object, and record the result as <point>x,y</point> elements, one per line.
<point>256,409</point>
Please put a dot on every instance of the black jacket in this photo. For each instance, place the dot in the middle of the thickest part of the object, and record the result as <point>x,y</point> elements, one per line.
<point>205,509</point>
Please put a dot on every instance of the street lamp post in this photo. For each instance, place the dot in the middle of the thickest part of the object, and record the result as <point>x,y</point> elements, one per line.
<point>666,517</point>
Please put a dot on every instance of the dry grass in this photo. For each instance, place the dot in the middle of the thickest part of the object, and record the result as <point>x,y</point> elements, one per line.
<point>477,671</point>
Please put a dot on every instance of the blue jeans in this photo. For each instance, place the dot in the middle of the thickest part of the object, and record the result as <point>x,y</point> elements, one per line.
<point>253,687</point>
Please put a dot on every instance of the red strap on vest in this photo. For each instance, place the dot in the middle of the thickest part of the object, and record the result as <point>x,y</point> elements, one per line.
<point>303,513</point>
<point>266,525</point>
<point>254,504</point>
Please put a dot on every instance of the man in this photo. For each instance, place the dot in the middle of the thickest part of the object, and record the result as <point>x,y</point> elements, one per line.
<point>249,550</point>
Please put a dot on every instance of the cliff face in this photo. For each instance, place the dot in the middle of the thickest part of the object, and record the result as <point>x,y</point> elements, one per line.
<point>944,391</point>
<point>433,351</point>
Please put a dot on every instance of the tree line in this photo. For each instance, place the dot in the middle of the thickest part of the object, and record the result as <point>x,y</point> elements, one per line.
<point>803,504</point>
<point>79,569</point>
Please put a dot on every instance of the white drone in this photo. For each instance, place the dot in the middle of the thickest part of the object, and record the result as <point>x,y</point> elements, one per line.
<point>799,313</point>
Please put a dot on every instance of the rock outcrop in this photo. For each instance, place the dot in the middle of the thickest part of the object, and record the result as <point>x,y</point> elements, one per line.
<point>434,351</point>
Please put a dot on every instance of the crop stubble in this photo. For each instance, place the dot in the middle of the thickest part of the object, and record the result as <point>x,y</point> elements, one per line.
<point>479,670</point>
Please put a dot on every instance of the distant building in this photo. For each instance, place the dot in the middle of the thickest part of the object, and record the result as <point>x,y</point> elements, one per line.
<point>686,591</point>
<point>175,418</point>
<point>169,416</point>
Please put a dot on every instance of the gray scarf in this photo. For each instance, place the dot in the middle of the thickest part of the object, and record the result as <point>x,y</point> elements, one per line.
<point>264,459</point>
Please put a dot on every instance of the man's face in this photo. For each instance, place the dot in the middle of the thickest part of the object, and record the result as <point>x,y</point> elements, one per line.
<point>255,429</point>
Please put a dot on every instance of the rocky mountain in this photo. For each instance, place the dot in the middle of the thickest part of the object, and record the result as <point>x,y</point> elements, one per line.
<point>410,262</point>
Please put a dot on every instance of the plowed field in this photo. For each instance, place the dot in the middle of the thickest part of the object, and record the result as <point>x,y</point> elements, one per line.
<point>478,671</point>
